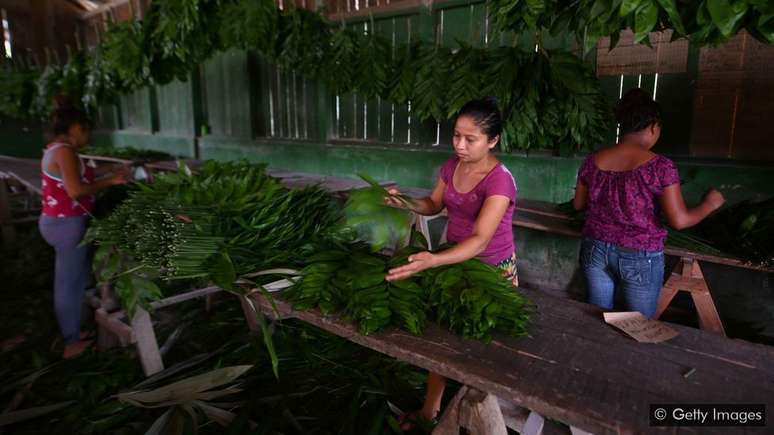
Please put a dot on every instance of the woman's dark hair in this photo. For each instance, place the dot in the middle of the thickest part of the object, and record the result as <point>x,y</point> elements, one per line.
<point>485,114</point>
<point>637,111</point>
<point>65,115</point>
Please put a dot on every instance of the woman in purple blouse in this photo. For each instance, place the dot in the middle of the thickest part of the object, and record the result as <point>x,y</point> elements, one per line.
<point>479,194</point>
<point>625,188</point>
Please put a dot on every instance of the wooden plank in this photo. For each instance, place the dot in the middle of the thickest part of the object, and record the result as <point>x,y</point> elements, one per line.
<point>25,171</point>
<point>193,294</point>
<point>578,370</point>
<point>147,346</point>
<point>6,227</point>
<point>629,58</point>
<point>112,322</point>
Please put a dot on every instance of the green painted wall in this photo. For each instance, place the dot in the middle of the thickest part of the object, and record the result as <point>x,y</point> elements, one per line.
<point>16,142</point>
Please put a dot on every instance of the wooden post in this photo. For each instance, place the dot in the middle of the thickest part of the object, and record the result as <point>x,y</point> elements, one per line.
<point>147,346</point>
<point>475,411</point>
<point>250,314</point>
<point>6,226</point>
<point>687,276</point>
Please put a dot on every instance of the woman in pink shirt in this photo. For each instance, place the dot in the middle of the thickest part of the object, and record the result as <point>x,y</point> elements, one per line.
<point>479,194</point>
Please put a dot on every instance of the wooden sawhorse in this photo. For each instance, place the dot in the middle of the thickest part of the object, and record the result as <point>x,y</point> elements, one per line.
<point>687,276</point>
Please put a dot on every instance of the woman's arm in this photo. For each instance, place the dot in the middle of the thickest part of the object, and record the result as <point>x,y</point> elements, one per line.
<point>679,216</point>
<point>67,161</point>
<point>483,230</point>
<point>581,195</point>
<point>429,205</point>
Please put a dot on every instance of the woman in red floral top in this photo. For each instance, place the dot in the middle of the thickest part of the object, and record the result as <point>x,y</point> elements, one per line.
<point>68,186</point>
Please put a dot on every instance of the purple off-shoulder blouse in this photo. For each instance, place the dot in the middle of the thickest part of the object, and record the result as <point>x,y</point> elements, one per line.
<point>622,206</point>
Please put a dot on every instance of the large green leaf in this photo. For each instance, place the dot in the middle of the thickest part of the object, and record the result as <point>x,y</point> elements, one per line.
<point>727,14</point>
<point>645,20</point>
<point>675,20</point>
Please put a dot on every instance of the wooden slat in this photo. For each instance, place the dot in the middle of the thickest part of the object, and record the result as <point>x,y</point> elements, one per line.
<point>24,171</point>
<point>193,294</point>
<point>576,369</point>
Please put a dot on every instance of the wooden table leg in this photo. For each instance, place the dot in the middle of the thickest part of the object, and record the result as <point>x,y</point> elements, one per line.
<point>147,346</point>
<point>687,276</point>
<point>250,314</point>
<point>6,226</point>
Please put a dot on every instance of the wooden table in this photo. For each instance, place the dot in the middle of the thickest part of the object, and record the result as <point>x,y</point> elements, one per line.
<point>576,369</point>
<point>18,178</point>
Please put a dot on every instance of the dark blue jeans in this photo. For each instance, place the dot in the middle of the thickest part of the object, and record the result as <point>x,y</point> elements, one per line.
<point>72,270</point>
<point>637,276</point>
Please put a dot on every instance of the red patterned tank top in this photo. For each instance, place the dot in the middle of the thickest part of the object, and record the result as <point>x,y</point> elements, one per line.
<point>56,201</point>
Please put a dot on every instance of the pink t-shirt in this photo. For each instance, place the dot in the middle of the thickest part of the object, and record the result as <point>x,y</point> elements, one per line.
<point>463,209</point>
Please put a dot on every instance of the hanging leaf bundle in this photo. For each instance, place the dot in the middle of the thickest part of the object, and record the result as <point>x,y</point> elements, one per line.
<point>125,55</point>
<point>557,103</point>
<point>431,90</point>
<point>402,80</point>
<point>373,65</point>
<point>303,41</point>
<point>466,81</point>
<point>249,24</point>
<point>18,89</point>
<point>703,21</point>
<point>338,70</point>
<point>180,34</point>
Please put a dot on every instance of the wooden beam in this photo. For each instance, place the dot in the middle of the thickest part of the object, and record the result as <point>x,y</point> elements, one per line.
<point>107,7</point>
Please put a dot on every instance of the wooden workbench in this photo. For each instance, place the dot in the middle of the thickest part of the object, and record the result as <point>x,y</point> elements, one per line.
<point>576,369</point>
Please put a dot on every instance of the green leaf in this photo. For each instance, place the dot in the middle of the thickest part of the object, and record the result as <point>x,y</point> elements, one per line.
<point>629,6</point>
<point>7,418</point>
<point>224,273</point>
<point>675,20</point>
<point>727,14</point>
<point>645,20</point>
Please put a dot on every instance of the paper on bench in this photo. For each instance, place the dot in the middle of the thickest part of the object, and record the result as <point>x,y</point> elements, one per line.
<point>639,327</point>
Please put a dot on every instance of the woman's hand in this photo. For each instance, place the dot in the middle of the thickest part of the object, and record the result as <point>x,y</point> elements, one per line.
<point>417,263</point>
<point>714,199</point>
<point>392,199</point>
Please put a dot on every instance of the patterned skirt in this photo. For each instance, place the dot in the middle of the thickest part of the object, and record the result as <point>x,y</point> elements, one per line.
<point>508,267</point>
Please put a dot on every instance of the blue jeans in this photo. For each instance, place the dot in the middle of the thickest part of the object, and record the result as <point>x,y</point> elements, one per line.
<point>636,276</point>
<point>72,270</point>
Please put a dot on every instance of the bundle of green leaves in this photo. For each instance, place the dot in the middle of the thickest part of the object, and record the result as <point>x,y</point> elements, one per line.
<point>18,87</point>
<point>471,299</point>
<point>703,21</point>
<point>227,220</point>
<point>745,230</point>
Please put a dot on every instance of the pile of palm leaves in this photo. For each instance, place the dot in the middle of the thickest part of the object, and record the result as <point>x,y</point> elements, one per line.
<point>225,221</point>
<point>471,299</point>
<point>205,388</point>
<point>745,230</point>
